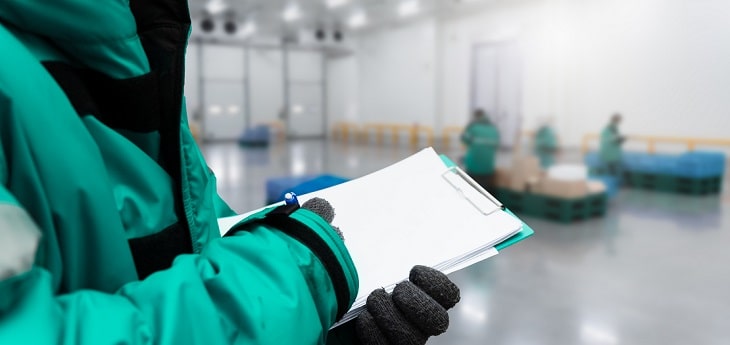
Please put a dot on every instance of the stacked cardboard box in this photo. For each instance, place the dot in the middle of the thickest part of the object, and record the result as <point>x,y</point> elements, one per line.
<point>526,175</point>
<point>563,188</point>
<point>596,187</point>
<point>502,177</point>
<point>526,172</point>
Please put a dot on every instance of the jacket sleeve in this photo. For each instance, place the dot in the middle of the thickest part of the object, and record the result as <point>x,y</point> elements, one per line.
<point>257,287</point>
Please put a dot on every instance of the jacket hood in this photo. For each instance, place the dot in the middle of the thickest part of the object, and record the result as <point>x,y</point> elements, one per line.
<point>98,34</point>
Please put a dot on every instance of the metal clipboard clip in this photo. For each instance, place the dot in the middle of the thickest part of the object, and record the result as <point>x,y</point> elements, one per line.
<point>456,171</point>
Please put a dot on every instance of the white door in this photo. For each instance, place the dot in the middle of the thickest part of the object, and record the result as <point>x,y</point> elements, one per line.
<point>224,100</point>
<point>224,113</point>
<point>497,87</point>
<point>305,86</point>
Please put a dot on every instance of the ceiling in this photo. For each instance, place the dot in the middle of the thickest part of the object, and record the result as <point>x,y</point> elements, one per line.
<point>315,14</point>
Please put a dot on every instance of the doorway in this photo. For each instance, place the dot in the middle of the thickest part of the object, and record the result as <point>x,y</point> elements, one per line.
<point>497,87</point>
<point>305,96</point>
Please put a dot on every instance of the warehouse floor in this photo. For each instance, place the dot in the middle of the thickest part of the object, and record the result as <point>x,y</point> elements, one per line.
<point>654,270</point>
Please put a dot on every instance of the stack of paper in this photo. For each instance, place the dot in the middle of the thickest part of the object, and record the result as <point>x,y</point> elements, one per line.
<point>414,212</point>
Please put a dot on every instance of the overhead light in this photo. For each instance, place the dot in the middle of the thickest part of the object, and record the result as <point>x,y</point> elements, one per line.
<point>214,7</point>
<point>357,20</point>
<point>408,8</point>
<point>248,29</point>
<point>215,109</point>
<point>336,3</point>
<point>320,34</point>
<point>207,24</point>
<point>292,13</point>
<point>230,27</point>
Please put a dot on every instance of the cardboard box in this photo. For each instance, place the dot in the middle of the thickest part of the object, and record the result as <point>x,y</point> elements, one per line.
<point>596,187</point>
<point>525,174</point>
<point>502,177</point>
<point>532,184</point>
<point>517,183</point>
<point>528,166</point>
<point>562,188</point>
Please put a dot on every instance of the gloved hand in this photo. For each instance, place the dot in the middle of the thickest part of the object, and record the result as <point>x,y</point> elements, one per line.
<point>325,210</point>
<point>416,310</point>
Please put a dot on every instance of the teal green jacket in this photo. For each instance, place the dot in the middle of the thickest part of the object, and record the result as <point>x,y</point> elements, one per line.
<point>108,211</point>
<point>482,141</point>
<point>610,149</point>
<point>546,143</point>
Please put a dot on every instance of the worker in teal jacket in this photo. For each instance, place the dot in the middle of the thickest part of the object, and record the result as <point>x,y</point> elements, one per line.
<point>611,142</point>
<point>546,144</point>
<point>482,140</point>
<point>108,212</point>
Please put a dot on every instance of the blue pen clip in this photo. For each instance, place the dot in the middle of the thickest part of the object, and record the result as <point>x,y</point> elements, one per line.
<point>291,205</point>
<point>291,199</point>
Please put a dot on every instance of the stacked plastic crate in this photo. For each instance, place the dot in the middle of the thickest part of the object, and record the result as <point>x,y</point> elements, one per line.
<point>553,208</point>
<point>698,172</point>
<point>255,136</point>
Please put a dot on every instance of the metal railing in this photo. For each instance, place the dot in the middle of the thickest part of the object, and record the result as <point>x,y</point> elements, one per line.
<point>346,131</point>
<point>652,141</point>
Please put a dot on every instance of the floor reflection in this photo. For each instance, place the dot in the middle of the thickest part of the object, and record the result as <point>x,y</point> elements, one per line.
<point>654,270</point>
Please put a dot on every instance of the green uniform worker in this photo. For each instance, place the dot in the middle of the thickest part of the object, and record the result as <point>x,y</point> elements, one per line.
<point>482,140</point>
<point>546,144</point>
<point>610,150</point>
<point>108,212</point>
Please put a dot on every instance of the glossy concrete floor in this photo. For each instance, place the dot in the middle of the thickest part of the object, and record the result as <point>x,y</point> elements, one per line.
<point>654,270</point>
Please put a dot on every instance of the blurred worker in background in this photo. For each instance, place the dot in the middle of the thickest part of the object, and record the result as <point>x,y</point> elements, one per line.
<point>546,143</point>
<point>482,140</point>
<point>611,141</point>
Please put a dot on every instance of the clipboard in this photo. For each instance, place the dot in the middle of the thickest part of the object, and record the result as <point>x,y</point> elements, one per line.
<point>432,197</point>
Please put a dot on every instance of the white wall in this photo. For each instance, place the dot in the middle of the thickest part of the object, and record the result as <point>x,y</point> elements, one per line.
<point>662,63</point>
<point>397,78</point>
<point>519,24</point>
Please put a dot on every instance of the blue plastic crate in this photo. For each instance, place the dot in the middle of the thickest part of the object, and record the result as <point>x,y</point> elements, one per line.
<point>654,164</point>
<point>276,188</point>
<point>697,170</point>
<point>256,136</point>
<point>696,164</point>
<point>701,164</point>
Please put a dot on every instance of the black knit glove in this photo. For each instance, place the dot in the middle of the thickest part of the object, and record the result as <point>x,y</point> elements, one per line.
<point>325,210</point>
<point>414,311</point>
